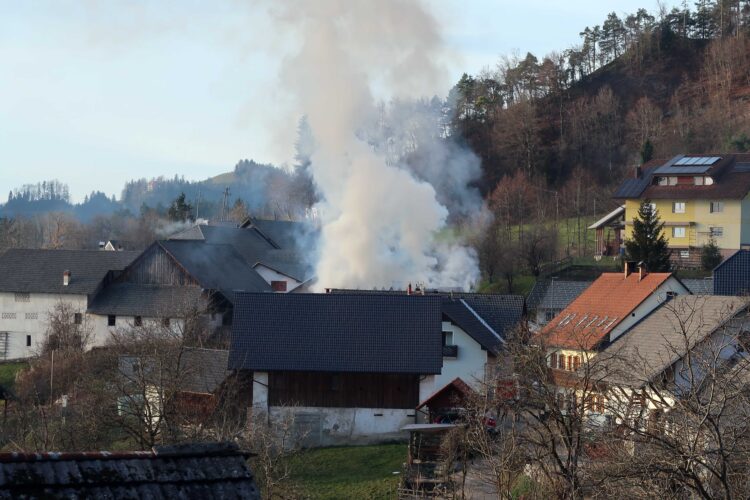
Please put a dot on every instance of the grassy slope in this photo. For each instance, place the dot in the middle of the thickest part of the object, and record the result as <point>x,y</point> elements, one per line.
<point>349,472</point>
<point>8,373</point>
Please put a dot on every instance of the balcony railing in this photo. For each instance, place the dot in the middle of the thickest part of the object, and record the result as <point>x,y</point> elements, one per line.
<point>450,351</point>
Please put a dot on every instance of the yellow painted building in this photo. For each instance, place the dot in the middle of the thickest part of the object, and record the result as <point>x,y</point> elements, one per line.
<point>698,197</point>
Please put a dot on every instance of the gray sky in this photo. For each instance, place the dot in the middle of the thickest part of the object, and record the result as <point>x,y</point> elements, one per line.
<point>98,93</point>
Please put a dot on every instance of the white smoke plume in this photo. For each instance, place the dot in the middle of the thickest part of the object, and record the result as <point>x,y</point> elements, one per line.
<point>382,225</point>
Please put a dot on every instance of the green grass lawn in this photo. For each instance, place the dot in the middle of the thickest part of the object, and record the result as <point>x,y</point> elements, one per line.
<point>8,373</point>
<point>349,472</point>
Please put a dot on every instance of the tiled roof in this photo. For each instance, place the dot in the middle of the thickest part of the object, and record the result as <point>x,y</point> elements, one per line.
<point>216,267</point>
<point>500,312</point>
<point>205,369</point>
<point>151,301</point>
<point>699,286</point>
<point>666,335</point>
<point>556,294</point>
<point>732,277</point>
<point>41,271</point>
<point>730,175</point>
<point>337,333</point>
<point>600,308</point>
<point>184,471</point>
<point>279,245</point>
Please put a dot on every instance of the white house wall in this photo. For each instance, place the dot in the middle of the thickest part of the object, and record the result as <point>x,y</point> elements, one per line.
<point>270,275</point>
<point>469,365</point>
<point>20,319</point>
<point>338,426</point>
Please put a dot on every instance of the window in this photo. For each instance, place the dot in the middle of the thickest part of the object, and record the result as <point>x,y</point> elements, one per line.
<point>678,207</point>
<point>570,363</point>
<point>716,232</point>
<point>447,338</point>
<point>77,318</point>
<point>111,320</point>
<point>576,363</point>
<point>278,286</point>
<point>165,322</point>
<point>653,207</point>
<point>709,181</point>
<point>32,315</point>
<point>678,232</point>
<point>553,360</point>
<point>672,181</point>
<point>684,254</point>
<point>698,181</point>
<point>561,362</point>
<point>662,181</point>
<point>8,316</point>
<point>23,297</point>
<point>137,321</point>
<point>28,340</point>
<point>717,206</point>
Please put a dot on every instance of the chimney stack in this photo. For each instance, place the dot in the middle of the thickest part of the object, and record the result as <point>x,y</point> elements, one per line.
<point>629,267</point>
<point>66,278</point>
<point>642,271</point>
<point>408,289</point>
<point>638,172</point>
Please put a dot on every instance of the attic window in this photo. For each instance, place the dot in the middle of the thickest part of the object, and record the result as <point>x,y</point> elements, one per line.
<point>137,321</point>
<point>278,286</point>
<point>111,320</point>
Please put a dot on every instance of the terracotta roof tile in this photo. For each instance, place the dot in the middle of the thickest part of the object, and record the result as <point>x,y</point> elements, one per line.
<point>599,309</point>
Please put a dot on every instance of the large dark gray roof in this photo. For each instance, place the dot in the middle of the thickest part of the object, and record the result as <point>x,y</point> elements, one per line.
<point>699,286</point>
<point>151,301</point>
<point>500,312</point>
<point>337,333</point>
<point>216,267</point>
<point>280,245</point>
<point>41,271</point>
<point>184,471</point>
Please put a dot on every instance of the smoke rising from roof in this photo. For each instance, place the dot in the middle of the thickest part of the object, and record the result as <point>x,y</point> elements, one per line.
<point>379,219</point>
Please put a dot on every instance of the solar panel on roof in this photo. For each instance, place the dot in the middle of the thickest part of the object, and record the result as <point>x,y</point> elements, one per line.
<point>682,161</point>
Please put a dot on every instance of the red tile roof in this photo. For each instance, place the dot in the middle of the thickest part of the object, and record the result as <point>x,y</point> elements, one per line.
<point>599,309</point>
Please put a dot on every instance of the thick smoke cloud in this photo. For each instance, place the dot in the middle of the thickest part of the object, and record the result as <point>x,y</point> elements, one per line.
<point>381,221</point>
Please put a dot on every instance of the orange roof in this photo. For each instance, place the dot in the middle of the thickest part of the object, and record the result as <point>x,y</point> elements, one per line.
<point>599,309</point>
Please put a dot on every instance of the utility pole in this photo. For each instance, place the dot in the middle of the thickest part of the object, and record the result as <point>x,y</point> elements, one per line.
<point>224,204</point>
<point>198,206</point>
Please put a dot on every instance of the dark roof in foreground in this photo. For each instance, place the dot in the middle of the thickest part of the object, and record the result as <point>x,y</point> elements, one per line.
<point>460,313</point>
<point>41,271</point>
<point>385,333</point>
<point>186,471</point>
<point>151,301</point>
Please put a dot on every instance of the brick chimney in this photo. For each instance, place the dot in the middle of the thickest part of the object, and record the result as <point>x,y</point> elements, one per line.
<point>408,289</point>
<point>629,267</point>
<point>642,271</point>
<point>66,278</point>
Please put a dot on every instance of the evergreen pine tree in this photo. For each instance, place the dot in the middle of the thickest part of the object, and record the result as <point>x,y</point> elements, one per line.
<point>648,244</point>
<point>647,151</point>
<point>710,255</point>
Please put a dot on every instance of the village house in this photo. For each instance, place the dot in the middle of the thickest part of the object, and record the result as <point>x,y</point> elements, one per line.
<point>277,250</point>
<point>170,281</point>
<point>698,197</point>
<point>649,367</point>
<point>603,312</point>
<point>32,282</point>
<point>353,367</point>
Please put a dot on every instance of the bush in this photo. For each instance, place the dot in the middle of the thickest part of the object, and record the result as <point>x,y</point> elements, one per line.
<point>710,255</point>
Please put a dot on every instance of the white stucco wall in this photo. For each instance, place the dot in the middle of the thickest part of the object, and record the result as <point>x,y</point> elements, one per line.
<point>20,319</point>
<point>337,426</point>
<point>270,275</point>
<point>469,365</point>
